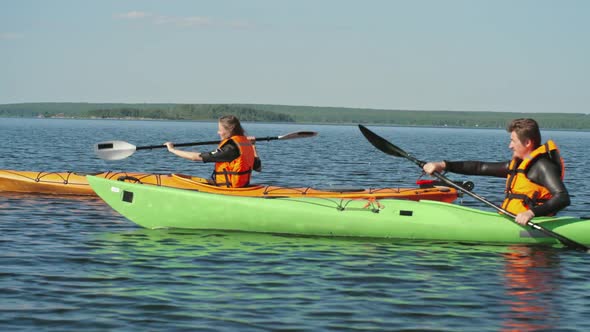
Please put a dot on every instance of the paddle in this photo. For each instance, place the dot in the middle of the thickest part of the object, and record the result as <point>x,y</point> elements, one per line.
<point>387,147</point>
<point>117,150</point>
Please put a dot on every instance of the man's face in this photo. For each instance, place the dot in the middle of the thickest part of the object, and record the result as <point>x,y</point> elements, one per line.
<point>519,149</point>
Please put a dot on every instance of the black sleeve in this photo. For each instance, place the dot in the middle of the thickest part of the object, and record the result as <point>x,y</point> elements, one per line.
<point>547,174</point>
<point>498,169</point>
<point>257,165</point>
<point>226,153</point>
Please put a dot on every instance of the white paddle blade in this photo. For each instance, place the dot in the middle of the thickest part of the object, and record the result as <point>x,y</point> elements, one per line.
<point>114,150</point>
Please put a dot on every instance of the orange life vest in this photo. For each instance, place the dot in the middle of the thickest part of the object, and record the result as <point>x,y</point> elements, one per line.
<point>235,173</point>
<point>522,194</point>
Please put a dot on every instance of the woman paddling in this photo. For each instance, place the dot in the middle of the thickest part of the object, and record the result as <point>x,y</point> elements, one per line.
<point>534,176</point>
<point>234,158</point>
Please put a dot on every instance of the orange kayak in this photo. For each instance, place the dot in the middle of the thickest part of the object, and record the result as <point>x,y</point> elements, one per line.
<point>71,183</point>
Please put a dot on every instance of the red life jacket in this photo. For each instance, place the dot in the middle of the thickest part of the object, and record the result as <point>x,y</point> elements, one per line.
<point>235,173</point>
<point>522,194</point>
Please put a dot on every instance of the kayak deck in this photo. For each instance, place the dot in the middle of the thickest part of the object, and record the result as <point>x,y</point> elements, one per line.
<point>437,193</point>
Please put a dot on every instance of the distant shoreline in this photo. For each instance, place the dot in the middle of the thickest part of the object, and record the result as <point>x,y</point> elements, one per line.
<point>291,114</point>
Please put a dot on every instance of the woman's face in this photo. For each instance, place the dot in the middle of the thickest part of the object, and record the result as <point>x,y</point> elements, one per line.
<point>223,132</point>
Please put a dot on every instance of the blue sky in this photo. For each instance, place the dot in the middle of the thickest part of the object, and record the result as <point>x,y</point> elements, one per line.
<point>470,55</point>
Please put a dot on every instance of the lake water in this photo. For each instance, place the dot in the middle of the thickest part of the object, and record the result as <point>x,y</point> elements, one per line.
<point>70,264</point>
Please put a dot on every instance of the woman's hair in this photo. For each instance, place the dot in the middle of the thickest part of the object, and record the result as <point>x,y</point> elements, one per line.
<point>232,124</point>
<point>525,129</point>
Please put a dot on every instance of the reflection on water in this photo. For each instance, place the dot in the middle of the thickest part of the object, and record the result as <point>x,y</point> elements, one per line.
<point>325,282</point>
<point>532,283</point>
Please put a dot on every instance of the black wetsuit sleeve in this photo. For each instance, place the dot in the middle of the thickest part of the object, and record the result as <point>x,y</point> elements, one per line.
<point>547,174</point>
<point>226,153</point>
<point>257,165</point>
<point>498,169</point>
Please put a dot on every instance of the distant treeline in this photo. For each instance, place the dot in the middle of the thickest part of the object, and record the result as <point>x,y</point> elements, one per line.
<point>141,111</point>
<point>298,114</point>
<point>191,112</point>
<point>427,118</point>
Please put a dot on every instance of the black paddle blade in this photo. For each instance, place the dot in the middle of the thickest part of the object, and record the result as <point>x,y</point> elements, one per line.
<point>381,143</point>
<point>297,134</point>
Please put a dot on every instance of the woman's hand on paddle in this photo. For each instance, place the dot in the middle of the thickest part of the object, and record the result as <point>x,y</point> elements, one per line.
<point>170,146</point>
<point>434,166</point>
<point>184,154</point>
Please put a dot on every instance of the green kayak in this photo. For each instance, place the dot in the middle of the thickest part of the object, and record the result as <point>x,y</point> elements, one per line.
<point>162,207</point>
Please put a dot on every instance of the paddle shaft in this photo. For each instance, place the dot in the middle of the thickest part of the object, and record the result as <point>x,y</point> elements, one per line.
<point>529,223</point>
<point>387,147</point>
<point>117,150</point>
<point>149,147</point>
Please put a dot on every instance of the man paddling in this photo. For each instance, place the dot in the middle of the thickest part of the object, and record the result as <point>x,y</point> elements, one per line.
<point>534,176</point>
<point>234,158</point>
